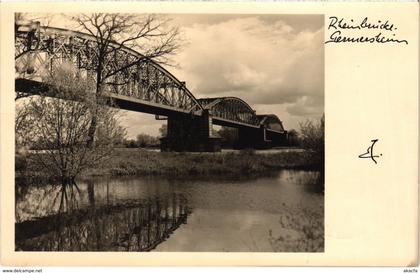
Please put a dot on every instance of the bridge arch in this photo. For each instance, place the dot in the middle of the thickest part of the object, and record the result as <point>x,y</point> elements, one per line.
<point>230,108</point>
<point>38,49</point>
<point>272,122</point>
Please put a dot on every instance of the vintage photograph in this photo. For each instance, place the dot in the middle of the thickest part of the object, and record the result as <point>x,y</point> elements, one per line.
<point>169,132</point>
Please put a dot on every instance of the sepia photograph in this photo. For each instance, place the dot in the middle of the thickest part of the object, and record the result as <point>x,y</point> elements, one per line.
<point>174,132</point>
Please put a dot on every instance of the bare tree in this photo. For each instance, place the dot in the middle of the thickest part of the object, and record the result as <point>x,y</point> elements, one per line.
<point>60,127</point>
<point>23,125</point>
<point>147,34</point>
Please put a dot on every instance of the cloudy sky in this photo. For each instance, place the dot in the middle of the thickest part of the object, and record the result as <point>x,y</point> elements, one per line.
<point>273,62</point>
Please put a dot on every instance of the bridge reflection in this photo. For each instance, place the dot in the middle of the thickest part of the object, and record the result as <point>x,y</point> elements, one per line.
<point>138,225</point>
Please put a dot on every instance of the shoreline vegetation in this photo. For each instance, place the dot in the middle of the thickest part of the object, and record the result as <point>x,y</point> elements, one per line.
<point>142,162</point>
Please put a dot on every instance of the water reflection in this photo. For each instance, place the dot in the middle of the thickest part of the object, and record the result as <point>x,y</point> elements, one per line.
<point>312,181</point>
<point>284,212</point>
<point>133,225</point>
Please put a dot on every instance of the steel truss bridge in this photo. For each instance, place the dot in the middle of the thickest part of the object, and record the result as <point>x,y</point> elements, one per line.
<point>137,83</point>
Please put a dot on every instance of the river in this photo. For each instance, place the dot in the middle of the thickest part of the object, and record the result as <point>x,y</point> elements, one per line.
<point>284,212</point>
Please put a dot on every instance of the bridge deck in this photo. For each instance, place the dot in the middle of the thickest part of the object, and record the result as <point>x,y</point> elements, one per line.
<point>134,104</point>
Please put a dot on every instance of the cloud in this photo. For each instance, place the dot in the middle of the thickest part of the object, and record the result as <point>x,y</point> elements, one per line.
<point>275,63</point>
<point>306,107</point>
<point>263,62</point>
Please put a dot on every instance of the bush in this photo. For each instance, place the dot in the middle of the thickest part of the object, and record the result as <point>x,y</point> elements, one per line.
<point>124,168</point>
<point>313,139</point>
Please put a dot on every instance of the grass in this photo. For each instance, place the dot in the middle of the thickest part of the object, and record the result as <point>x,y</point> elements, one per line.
<point>141,162</point>
<point>300,230</point>
<point>126,162</point>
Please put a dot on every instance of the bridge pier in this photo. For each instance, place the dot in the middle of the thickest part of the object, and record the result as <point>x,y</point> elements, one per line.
<point>190,133</point>
<point>250,138</point>
<point>277,139</point>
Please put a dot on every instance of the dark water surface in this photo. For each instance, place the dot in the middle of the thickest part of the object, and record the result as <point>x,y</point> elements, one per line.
<point>280,213</point>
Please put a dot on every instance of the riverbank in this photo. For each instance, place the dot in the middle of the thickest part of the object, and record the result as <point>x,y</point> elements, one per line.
<point>125,162</point>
